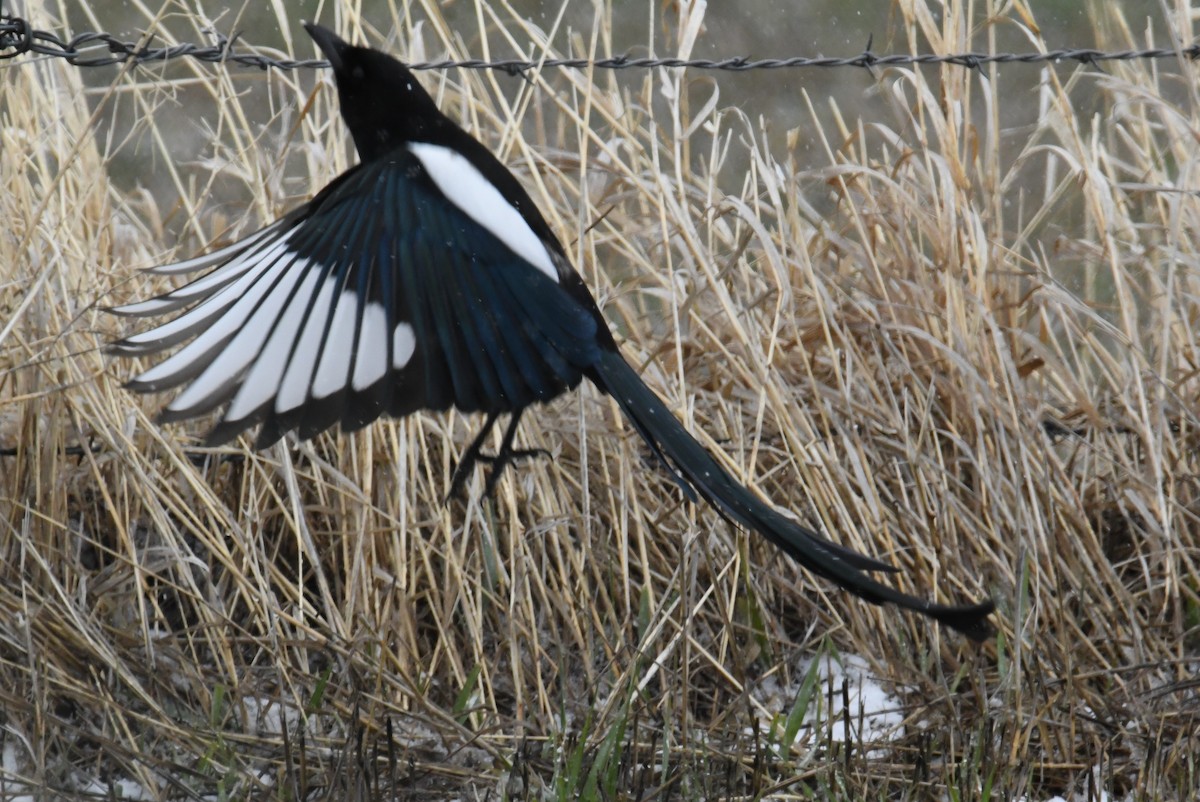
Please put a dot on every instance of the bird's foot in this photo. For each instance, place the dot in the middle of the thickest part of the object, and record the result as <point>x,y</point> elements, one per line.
<point>499,462</point>
<point>505,458</point>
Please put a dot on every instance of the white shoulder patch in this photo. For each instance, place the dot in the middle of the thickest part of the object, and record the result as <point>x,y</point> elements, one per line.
<point>467,188</point>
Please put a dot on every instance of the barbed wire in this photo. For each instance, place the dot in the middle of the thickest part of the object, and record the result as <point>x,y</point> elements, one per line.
<point>18,37</point>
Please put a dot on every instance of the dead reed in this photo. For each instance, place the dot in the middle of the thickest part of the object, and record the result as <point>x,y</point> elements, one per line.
<point>967,348</point>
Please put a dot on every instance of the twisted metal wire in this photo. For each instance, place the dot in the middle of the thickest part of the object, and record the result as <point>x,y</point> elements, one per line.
<point>17,38</point>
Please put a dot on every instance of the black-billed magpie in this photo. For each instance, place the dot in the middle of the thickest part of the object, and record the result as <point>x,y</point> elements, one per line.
<point>425,278</point>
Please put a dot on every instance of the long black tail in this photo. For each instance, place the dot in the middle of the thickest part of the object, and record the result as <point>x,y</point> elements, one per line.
<point>672,443</point>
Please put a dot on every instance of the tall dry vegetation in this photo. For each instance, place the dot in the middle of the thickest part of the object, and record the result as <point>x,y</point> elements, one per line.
<point>977,360</point>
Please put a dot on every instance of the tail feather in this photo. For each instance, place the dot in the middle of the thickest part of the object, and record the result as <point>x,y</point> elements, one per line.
<point>694,467</point>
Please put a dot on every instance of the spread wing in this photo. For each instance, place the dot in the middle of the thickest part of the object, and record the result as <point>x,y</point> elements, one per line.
<point>402,286</point>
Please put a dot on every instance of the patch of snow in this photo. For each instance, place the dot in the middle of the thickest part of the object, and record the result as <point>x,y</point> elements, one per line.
<point>266,716</point>
<point>874,714</point>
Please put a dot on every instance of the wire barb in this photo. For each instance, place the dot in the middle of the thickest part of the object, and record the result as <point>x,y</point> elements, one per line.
<point>17,37</point>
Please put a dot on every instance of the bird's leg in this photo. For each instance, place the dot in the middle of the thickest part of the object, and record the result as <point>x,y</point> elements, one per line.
<point>507,455</point>
<point>499,461</point>
<point>470,457</point>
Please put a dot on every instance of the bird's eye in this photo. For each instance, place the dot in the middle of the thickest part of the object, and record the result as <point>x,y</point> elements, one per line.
<point>358,73</point>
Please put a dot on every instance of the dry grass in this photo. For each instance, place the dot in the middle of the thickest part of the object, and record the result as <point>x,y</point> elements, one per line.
<point>883,368</point>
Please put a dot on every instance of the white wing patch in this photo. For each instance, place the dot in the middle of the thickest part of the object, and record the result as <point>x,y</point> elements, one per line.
<point>293,392</point>
<point>262,382</point>
<point>370,364</point>
<point>404,343</point>
<point>189,293</point>
<point>248,290</point>
<point>467,189</point>
<point>266,328</point>
<point>242,350</point>
<point>339,348</point>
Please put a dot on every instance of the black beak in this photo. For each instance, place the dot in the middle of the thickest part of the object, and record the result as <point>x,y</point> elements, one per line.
<point>331,45</point>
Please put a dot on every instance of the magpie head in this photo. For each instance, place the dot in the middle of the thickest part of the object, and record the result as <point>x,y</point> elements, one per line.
<point>382,102</point>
